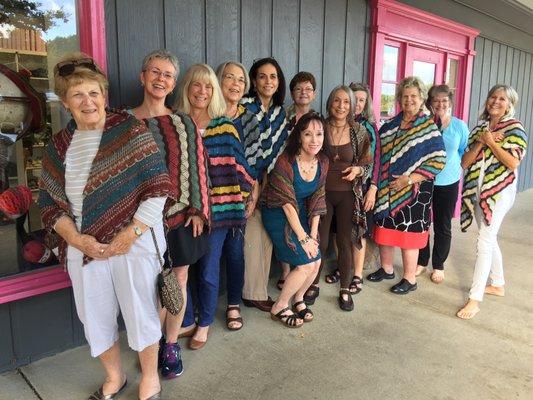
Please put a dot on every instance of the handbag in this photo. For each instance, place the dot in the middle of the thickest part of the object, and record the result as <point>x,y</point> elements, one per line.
<point>168,288</point>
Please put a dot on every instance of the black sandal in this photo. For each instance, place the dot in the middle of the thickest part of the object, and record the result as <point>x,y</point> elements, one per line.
<point>334,277</point>
<point>345,305</point>
<point>311,294</point>
<point>305,313</point>
<point>233,319</point>
<point>355,284</point>
<point>289,320</point>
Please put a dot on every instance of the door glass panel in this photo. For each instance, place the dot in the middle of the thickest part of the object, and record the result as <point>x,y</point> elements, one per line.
<point>425,71</point>
<point>387,101</point>
<point>451,73</point>
<point>390,63</point>
<point>31,43</point>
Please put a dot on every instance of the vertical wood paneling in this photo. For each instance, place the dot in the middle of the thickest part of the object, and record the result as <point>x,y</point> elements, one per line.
<point>6,338</point>
<point>285,37</point>
<point>256,30</point>
<point>527,97</point>
<point>476,83</point>
<point>112,52</point>
<point>222,31</point>
<point>495,55</point>
<point>516,67</point>
<point>508,65</point>
<point>311,43</point>
<point>355,38</point>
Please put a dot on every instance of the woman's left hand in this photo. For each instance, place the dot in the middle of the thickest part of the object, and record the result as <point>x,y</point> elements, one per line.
<point>370,198</point>
<point>121,243</point>
<point>352,173</point>
<point>399,183</point>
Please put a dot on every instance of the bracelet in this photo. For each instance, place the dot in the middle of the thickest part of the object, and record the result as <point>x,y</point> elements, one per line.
<point>305,240</point>
<point>409,180</point>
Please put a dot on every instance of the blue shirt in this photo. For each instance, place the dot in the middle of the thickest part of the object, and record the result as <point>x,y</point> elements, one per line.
<point>455,138</point>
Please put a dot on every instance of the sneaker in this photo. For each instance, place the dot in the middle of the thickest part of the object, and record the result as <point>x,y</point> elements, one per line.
<point>171,366</point>
<point>162,342</point>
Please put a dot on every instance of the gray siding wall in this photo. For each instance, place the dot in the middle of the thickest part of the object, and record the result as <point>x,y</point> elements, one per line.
<point>328,38</point>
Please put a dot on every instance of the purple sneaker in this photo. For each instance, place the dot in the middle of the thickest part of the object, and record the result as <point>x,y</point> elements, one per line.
<point>171,365</point>
<point>162,342</point>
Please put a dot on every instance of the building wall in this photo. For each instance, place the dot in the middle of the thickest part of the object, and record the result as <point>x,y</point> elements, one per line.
<point>325,37</point>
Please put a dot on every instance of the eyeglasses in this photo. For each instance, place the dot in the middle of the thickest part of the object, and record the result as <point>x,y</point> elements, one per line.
<point>67,68</point>
<point>304,89</point>
<point>157,72</point>
<point>233,78</point>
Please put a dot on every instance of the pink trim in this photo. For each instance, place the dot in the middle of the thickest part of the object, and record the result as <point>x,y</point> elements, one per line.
<point>33,283</point>
<point>92,30</point>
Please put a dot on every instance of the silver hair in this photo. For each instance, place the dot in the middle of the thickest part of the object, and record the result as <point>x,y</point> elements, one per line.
<point>222,67</point>
<point>162,54</point>
<point>511,94</point>
<point>349,92</point>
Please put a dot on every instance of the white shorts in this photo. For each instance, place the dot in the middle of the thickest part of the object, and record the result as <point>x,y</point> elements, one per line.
<point>125,283</point>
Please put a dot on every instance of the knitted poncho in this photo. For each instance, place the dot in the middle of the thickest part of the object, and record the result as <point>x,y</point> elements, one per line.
<point>127,169</point>
<point>375,147</point>
<point>279,190</point>
<point>263,145</point>
<point>187,164</point>
<point>417,149</point>
<point>497,176</point>
<point>229,173</point>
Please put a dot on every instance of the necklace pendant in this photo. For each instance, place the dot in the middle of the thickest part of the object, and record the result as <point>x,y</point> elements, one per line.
<point>336,158</point>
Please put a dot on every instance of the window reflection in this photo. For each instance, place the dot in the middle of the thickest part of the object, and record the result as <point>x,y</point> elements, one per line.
<point>425,71</point>
<point>390,63</point>
<point>387,101</point>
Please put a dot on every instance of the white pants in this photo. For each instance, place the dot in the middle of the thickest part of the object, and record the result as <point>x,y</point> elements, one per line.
<point>489,257</point>
<point>125,283</point>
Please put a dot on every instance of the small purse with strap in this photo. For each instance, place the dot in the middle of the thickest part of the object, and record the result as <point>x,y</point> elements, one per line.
<point>168,288</point>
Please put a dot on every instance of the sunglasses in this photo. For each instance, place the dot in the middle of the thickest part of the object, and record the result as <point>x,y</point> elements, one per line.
<point>67,68</point>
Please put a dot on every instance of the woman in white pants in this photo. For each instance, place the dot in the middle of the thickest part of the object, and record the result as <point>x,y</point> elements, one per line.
<point>495,148</point>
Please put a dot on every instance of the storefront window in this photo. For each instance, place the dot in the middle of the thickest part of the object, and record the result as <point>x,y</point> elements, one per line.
<point>32,40</point>
<point>425,71</point>
<point>389,82</point>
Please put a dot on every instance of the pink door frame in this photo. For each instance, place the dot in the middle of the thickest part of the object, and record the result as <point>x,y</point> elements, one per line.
<point>91,26</point>
<point>410,26</point>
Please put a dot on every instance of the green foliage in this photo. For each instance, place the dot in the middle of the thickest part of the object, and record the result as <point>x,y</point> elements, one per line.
<point>25,14</point>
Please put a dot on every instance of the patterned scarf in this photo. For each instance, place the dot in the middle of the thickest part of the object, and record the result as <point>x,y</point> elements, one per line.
<point>127,169</point>
<point>417,149</point>
<point>265,143</point>
<point>279,191</point>
<point>187,163</point>
<point>375,146</point>
<point>497,176</point>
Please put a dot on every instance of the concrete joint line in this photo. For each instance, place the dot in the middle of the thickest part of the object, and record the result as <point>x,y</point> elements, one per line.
<point>29,384</point>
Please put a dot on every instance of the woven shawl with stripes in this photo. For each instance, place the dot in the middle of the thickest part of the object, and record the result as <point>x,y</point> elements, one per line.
<point>375,147</point>
<point>497,176</point>
<point>417,149</point>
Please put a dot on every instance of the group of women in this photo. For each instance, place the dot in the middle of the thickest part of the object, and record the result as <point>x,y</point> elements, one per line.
<point>226,173</point>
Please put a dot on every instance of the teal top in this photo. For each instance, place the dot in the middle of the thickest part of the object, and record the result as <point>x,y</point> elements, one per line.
<point>455,138</point>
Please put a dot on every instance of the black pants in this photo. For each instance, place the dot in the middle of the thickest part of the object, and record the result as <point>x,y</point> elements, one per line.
<point>443,205</point>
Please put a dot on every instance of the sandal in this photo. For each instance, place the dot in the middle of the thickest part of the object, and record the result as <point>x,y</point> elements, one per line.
<point>280,283</point>
<point>334,277</point>
<point>289,320</point>
<point>305,313</point>
<point>229,320</point>
<point>311,294</point>
<point>355,284</point>
<point>345,305</point>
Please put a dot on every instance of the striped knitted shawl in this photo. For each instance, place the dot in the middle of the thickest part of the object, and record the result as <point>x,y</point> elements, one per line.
<point>417,149</point>
<point>375,147</point>
<point>497,176</point>
<point>248,128</point>
<point>265,144</point>
<point>231,180</point>
<point>187,164</point>
<point>279,190</point>
<point>127,169</point>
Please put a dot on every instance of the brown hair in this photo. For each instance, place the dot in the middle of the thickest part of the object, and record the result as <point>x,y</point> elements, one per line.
<point>438,89</point>
<point>302,77</point>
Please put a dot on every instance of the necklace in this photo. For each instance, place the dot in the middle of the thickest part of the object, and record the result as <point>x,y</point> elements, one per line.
<point>311,167</point>
<point>336,145</point>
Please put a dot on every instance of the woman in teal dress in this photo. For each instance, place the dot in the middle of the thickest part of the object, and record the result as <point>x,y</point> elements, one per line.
<point>291,205</point>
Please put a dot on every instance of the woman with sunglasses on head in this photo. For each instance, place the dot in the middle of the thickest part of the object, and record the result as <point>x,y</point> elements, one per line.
<point>262,148</point>
<point>201,98</point>
<point>103,188</point>
<point>187,218</point>
<point>446,184</point>
<point>292,203</point>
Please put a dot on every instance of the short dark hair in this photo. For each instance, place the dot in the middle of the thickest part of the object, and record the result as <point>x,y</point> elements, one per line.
<point>279,97</point>
<point>293,141</point>
<point>302,77</point>
<point>437,89</point>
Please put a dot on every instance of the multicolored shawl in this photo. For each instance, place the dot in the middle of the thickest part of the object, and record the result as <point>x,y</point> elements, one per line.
<point>375,147</point>
<point>187,162</point>
<point>264,144</point>
<point>229,173</point>
<point>127,169</point>
<point>279,190</point>
<point>497,176</point>
<point>248,128</point>
<point>417,149</point>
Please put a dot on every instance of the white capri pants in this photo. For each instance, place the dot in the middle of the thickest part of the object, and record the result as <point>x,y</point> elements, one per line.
<point>125,283</point>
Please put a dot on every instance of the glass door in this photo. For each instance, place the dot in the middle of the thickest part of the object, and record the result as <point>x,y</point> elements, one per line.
<point>428,65</point>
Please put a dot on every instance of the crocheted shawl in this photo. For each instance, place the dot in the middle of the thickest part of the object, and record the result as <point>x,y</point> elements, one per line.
<point>417,149</point>
<point>187,164</point>
<point>279,191</point>
<point>375,147</point>
<point>248,128</point>
<point>497,176</point>
<point>264,144</point>
<point>127,169</point>
<point>229,173</point>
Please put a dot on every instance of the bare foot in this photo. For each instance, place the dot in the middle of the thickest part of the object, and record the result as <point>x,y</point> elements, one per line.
<point>113,385</point>
<point>233,313</point>
<point>420,270</point>
<point>149,386</point>
<point>495,290</point>
<point>437,276</point>
<point>469,310</point>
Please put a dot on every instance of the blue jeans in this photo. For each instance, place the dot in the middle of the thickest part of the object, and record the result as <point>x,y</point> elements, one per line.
<point>223,242</point>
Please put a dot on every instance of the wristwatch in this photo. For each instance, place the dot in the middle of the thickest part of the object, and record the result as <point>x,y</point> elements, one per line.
<point>137,231</point>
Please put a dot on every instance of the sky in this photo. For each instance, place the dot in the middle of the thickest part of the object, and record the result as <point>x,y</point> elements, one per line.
<point>62,29</point>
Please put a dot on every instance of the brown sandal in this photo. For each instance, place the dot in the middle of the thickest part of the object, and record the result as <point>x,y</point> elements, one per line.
<point>305,313</point>
<point>289,320</point>
<point>229,320</point>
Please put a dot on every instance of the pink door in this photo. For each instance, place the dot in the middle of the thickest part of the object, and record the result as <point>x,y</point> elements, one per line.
<point>429,65</point>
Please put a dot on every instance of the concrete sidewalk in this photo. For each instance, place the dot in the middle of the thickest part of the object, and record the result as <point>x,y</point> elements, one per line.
<point>397,347</point>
